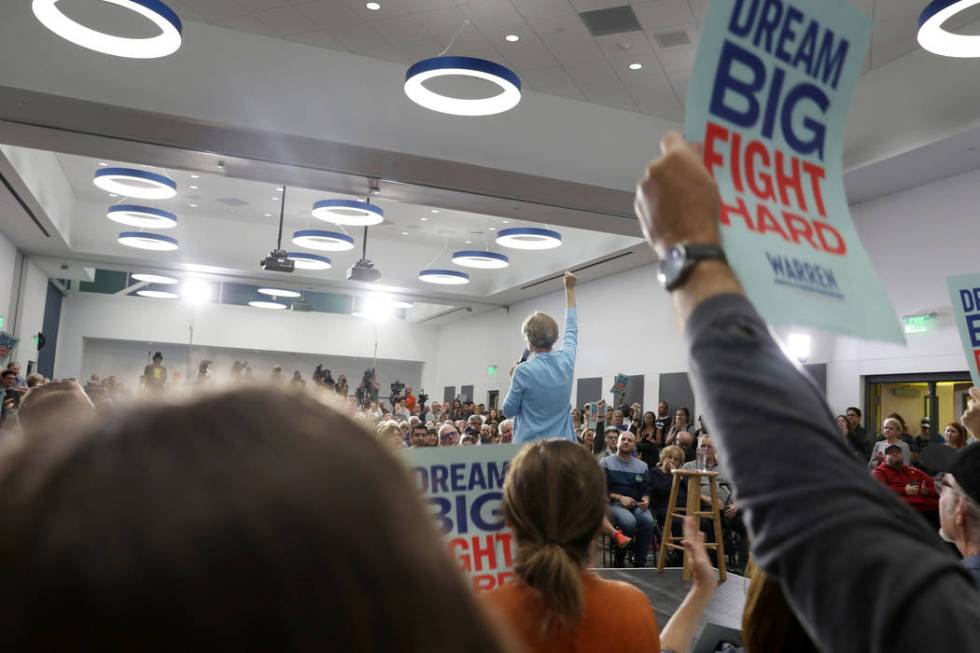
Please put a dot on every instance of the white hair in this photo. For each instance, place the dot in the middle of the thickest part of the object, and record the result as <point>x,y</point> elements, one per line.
<point>506,422</point>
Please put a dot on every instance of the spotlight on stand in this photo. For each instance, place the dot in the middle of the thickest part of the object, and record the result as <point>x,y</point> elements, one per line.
<point>278,259</point>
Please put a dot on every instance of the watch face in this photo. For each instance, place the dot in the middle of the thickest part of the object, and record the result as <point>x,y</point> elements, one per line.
<point>671,266</point>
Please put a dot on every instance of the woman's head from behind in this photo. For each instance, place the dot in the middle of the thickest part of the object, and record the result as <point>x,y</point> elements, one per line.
<point>555,501</point>
<point>540,331</point>
<point>224,523</point>
<point>49,408</point>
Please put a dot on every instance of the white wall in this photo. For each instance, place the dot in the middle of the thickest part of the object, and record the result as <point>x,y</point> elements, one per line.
<point>30,316</point>
<point>111,317</point>
<point>8,263</point>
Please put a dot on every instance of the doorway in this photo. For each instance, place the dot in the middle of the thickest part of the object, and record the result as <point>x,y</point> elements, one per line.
<point>493,396</point>
<point>940,397</point>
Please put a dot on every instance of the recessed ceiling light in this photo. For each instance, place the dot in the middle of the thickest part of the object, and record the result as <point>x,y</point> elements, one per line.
<point>373,6</point>
<point>193,206</point>
<point>268,215</point>
<point>275,199</point>
<point>193,187</point>
<point>278,189</point>
<point>512,38</point>
<point>493,228</point>
<point>404,233</point>
<point>195,176</point>
<point>113,195</point>
<point>468,242</point>
<point>102,164</point>
<point>636,66</point>
<point>424,219</point>
<point>435,210</point>
<point>506,221</point>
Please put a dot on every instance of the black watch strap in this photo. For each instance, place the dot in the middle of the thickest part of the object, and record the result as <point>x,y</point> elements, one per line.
<point>688,255</point>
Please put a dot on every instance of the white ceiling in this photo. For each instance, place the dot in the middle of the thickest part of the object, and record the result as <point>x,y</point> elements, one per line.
<point>234,224</point>
<point>556,53</point>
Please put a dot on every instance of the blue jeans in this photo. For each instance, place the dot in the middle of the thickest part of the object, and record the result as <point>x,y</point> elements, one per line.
<point>635,523</point>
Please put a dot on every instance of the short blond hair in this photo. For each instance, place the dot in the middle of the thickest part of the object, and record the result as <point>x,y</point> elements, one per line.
<point>540,330</point>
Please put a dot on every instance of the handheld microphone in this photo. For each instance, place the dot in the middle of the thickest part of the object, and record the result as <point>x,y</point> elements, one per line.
<point>527,352</point>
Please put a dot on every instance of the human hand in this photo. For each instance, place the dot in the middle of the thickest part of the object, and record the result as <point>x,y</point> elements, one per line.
<point>644,503</point>
<point>570,281</point>
<point>704,575</point>
<point>971,418</point>
<point>627,502</point>
<point>912,490</point>
<point>677,200</point>
<point>730,510</point>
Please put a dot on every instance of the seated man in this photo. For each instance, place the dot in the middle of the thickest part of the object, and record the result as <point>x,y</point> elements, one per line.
<point>506,430</point>
<point>685,441</point>
<point>731,516</point>
<point>914,487</point>
<point>628,485</point>
<point>611,436</point>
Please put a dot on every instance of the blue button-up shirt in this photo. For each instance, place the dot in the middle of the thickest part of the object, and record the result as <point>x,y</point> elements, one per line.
<point>973,566</point>
<point>541,389</point>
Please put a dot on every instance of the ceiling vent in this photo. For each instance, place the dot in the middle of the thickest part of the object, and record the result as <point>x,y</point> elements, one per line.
<point>616,20</point>
<point>676,39</point>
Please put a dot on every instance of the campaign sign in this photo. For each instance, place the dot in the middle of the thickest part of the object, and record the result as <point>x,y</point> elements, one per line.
<point>7,344</point>
<point>768,99</point>
<point>464,488</point>
<point>619,384</point>
<point>964,291</point>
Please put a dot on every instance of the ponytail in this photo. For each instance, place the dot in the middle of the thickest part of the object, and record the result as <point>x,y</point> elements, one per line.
<point>550,569</point>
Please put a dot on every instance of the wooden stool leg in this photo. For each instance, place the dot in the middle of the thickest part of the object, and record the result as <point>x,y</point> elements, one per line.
<point>693,505</point>
<point>719,534</point>
<point>668,523</point>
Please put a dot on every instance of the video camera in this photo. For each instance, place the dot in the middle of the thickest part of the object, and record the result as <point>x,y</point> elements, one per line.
<point>397,388</point>
<point>422,397</point>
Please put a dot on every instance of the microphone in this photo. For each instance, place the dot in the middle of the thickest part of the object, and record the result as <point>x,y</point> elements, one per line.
<point>527,352</point>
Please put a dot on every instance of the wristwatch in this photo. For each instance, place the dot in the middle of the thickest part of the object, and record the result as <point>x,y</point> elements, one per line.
<point>676,265</point>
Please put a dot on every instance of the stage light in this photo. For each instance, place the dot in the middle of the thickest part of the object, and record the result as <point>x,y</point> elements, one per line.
<point>143,217</point>
<point>147,240</point>
<point>480,259</point>
<point>348,212</point>
<point>444,277</point>
<point>528,238</point>
<point>436,67</point>
<point>130,182</point>
<point>329,241</point>
<point>166,42</point>
<point>196,291</point>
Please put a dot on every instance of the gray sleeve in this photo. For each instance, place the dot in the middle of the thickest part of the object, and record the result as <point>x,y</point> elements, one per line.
<point>860,570</point>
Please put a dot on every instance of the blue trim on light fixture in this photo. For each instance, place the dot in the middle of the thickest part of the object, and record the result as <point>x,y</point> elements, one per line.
<point>934,8</point>
<point>466,63</point>
<point>538,232</point>
<point>310,257</point>
<point>476,253</point>
<point>320,233</point>
<point>348,204</point>
<point>932,36</point>
<point>136,208</point>
<point>147,234</point>
<point>165,12</point>
<point>433,272</point>
<point>136,174</point>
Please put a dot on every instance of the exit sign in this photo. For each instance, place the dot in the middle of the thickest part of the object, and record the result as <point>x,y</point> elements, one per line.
<point>918,323</point>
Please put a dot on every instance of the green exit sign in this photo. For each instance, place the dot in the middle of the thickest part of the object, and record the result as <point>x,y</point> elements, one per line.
<point>918,323</point>
<point>2,319</point>
<point>491,370</point>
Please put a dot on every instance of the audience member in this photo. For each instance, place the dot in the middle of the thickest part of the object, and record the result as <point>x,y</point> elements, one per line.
<point>35,380</point>
<point>507,431</point>
<point>661,478</point>
<point>956,435</point>
<point>390,434</point>
<point>959,501</point>
<point>448,436</point>
<point>134,534</point>
<point>20,383</point>
<point>858,449</point>
<point>154,375</point>
<point>731,515</point>
<point>577,425</point>
<point>297,381</point>
<point>768,623</point>
<point>891,429</point>
<point>341,387</point>
<point>628,489</point>
<point>686,443</point>
<point>469,439</point>
<point>541,387</point>
<point>914,487</point>
<point>818,522</point>
<point>664,420</point>
<point>418,436</point>
<point>9,395</point>
<point>647,444</point>
<point>46,408</point>
<point>682,422</point>
<point>556,604</point>
<point>860,434</point>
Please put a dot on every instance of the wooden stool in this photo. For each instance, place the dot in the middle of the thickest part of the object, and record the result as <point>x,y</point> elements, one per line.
<point>669,540</point>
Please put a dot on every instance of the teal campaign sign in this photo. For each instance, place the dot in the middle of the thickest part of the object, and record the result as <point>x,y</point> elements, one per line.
<point>768,100</point>
<point>464,489</point>
<point>964,291</point>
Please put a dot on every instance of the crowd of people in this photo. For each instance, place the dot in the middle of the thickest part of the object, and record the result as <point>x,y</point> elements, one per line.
<point>269,520</point>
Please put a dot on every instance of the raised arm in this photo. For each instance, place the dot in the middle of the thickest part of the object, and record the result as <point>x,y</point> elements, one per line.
<point>836,538</point>
<point>570,337</point>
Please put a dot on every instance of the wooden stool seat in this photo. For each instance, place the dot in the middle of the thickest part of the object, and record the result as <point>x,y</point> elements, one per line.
<point>671,541</point>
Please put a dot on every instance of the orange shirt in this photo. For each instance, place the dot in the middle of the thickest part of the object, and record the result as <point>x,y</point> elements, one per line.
<point>617,618</point>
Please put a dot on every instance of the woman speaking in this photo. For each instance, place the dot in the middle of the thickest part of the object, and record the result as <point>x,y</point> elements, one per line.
<point>541,388</point>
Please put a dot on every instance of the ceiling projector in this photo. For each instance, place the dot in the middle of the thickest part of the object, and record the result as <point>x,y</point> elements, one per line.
<point>364,270</point>
<point>278,261</point>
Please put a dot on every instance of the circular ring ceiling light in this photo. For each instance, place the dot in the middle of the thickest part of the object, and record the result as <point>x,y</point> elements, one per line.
<point>146,240</point>
<point>528,238</point>
<point>143,217</point>
<point>273,306</point>
<point>279,292</point>
<point>155,278</point>
<point>306,261</point>
<point>444,277</point>
<point>348,212</point>
<point>935,39</point>
<point>130,182</point>
<point>427,69</point>
<point>157,294</point>
<point>328,241</point>
<point>164,43</point>
<point>480,259</point>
